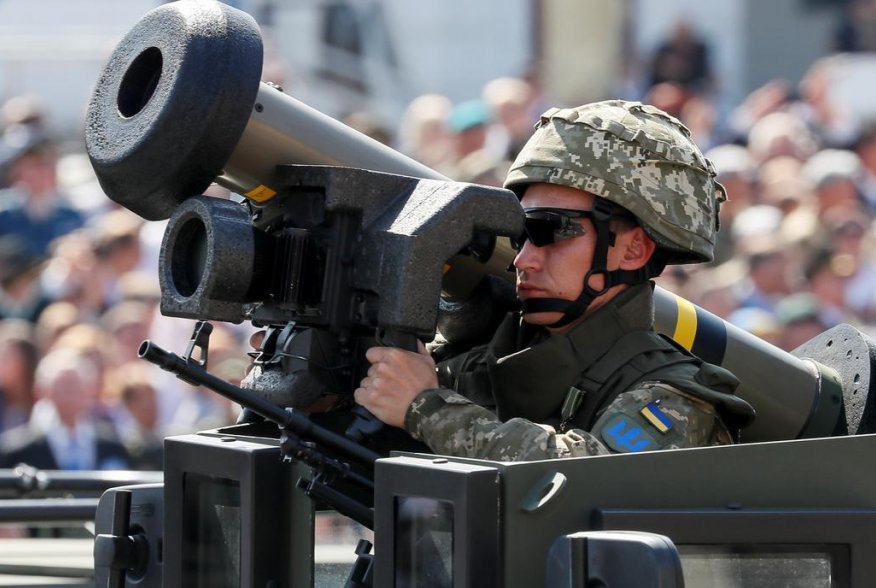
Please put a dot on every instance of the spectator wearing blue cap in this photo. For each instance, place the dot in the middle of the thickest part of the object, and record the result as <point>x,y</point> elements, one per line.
<point>468,123</point>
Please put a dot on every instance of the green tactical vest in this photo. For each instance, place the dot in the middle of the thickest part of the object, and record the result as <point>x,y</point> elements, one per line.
<point>523,374</point>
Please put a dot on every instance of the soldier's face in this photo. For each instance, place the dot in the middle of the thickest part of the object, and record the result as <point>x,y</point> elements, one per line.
<point>557,270</point>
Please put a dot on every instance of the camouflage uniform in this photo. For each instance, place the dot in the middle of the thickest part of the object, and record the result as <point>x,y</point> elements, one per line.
<point>505,401</point>
<point>610,384</point>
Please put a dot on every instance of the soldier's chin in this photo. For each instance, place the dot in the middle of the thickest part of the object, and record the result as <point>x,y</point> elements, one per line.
<point>542,319</point>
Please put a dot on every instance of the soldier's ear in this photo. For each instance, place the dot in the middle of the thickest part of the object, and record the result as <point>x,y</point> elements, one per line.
<point>637,248</point>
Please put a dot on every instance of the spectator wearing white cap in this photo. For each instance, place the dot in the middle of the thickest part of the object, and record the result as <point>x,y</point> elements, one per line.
<point>737,173</point>
<point>781,133</point>
<point>509,100</point>
<point>834,175</point>
<point>422,133</point>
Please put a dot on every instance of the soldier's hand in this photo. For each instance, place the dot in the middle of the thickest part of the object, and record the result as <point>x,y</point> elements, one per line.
<point>255,341</point>
<point>394,379</point>
<point>323,404</point>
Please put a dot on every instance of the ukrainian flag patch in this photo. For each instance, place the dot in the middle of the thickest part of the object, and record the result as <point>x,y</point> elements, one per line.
<point>656,417</point>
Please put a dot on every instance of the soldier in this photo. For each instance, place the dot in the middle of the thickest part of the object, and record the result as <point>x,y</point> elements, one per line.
<point>612,191</point>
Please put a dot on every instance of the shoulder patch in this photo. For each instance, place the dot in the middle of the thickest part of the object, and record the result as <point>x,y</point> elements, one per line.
<point>656,417</point>
<point>625,435</point>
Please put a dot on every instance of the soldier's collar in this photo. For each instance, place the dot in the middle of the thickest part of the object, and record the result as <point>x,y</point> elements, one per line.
<point>533,381</point>
<point>631,310</point>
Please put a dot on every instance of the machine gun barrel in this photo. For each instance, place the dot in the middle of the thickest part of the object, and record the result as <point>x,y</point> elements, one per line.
<point>287,419</point>
<point>362,514</point>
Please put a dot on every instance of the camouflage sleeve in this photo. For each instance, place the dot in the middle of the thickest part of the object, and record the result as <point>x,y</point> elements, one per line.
<point>652,417</point>
<point>659,416</point>
<point>450,424</point>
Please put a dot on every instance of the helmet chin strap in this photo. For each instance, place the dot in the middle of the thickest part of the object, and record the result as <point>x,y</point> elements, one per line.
<point>573,309</point>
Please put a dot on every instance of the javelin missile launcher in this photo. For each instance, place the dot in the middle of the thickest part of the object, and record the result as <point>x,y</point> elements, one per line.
<point>338,243</point>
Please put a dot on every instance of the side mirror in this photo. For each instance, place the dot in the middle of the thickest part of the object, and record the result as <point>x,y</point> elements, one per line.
<point>614,559</point>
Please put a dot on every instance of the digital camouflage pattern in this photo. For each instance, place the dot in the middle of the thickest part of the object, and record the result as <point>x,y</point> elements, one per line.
<point>450,424</point>
<point>692,422</point>
<point>636,156</point>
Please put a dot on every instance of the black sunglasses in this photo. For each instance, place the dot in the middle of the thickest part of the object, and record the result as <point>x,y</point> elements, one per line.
<point>546,226</point>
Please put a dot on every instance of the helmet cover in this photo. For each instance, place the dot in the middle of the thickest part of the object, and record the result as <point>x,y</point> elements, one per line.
<point>635,156</point>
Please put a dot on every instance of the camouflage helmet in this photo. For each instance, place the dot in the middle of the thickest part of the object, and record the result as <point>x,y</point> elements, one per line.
<point>635,156</point>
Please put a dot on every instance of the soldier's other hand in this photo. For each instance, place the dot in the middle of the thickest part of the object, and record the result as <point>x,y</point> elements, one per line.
<point>394,379</point>
<point>324,403</point>
<point>255,341</point>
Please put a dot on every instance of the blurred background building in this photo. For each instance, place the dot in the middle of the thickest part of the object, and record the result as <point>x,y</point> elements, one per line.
<point>342,56</point>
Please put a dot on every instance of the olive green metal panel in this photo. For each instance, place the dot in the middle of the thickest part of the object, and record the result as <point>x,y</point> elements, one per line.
<point>542,500</point>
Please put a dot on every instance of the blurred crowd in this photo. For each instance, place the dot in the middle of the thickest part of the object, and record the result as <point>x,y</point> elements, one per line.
<point>78,274</point>
<point>78,294</point>
<point>795,253</point>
